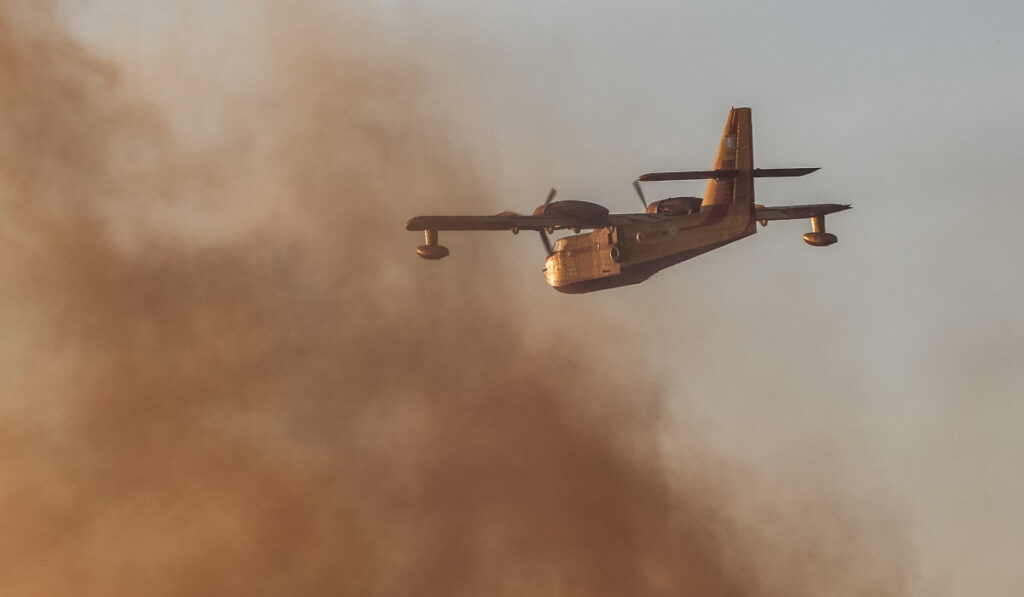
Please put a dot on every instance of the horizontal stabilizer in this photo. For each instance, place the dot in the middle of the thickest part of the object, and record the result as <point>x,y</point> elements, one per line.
<point>719,174</point>
<point>692,175</point>
<point>797,212</point>
<point>780,172</point>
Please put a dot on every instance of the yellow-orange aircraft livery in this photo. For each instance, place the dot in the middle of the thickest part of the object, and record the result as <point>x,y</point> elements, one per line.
<point>625,249</point>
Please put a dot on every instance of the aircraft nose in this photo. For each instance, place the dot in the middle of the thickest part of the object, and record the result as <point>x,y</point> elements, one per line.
<point>552,273</point>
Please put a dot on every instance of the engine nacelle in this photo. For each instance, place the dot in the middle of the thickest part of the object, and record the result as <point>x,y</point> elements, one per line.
<point>675,206</point>
<point>585,211</point>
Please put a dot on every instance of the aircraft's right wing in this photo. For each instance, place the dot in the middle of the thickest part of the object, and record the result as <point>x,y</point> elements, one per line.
<point>797,212</point>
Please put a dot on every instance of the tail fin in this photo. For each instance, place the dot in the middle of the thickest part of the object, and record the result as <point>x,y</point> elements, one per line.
<point>735,152</point>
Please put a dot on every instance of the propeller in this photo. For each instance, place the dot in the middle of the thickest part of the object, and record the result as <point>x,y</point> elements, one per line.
<point>547,242</point>
<point>543,234</point>
<point>640,192</point>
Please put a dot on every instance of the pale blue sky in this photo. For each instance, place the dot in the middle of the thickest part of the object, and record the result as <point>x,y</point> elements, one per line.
<point>887,366</point>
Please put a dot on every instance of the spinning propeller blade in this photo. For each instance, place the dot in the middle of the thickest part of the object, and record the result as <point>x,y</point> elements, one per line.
<point>547,242</point>
<point>544,235</point>
<point>639,191</point>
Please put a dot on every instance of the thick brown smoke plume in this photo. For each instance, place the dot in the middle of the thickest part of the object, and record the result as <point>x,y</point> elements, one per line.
<point>224,372</point>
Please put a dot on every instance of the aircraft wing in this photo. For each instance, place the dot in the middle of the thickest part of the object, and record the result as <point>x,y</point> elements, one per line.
<point>550,222</point>
<point>499,222</point>
<point>797,212</point>
<point>520,222</point>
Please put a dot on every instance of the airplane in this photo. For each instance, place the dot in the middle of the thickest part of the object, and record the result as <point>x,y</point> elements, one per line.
<point>626,249</point>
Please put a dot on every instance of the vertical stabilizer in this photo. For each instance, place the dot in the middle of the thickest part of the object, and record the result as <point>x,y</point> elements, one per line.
<point>735,152</point>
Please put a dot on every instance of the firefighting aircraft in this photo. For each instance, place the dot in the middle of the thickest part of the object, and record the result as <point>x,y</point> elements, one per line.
<point>625,249</point>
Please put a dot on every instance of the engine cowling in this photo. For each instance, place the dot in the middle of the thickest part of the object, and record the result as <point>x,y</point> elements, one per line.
<point>675,206</point>
<point>585,211</point>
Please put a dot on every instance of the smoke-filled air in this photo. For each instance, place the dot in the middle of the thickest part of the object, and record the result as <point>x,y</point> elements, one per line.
<point>225,372</point>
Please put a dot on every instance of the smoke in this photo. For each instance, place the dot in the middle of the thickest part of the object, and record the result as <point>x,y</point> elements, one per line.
<point>225,372</point>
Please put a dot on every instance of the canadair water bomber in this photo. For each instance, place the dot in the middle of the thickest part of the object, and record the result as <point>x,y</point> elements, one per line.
<point>624,249</point>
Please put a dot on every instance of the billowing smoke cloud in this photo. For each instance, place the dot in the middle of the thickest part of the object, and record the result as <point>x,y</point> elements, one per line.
<point>223,371</point>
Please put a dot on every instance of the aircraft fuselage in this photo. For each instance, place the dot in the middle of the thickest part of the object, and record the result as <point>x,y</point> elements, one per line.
<point>624,255</point>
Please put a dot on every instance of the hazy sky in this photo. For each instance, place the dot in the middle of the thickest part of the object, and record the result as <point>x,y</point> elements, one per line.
<point>894,356</point>
<point>886,368</point>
